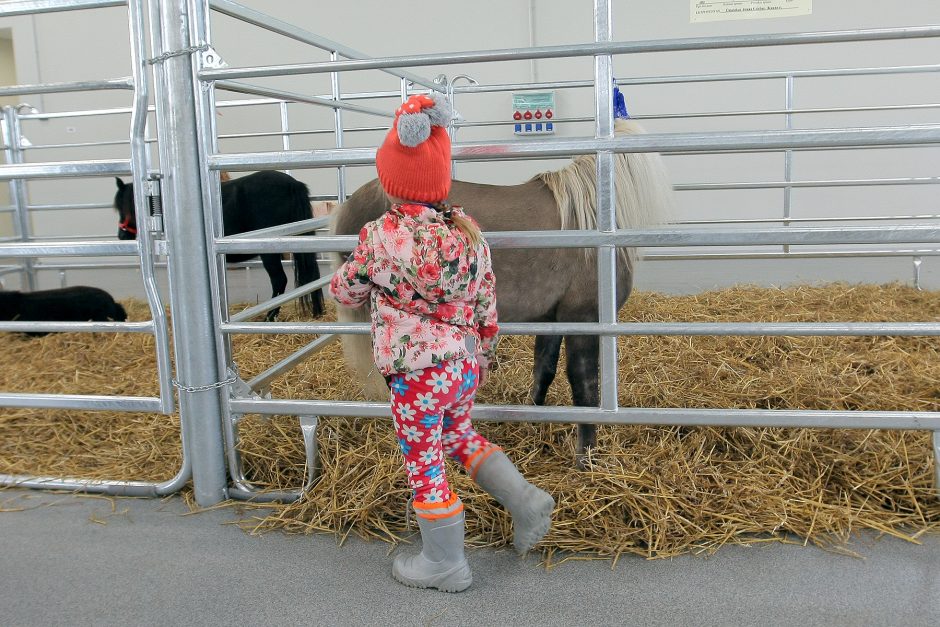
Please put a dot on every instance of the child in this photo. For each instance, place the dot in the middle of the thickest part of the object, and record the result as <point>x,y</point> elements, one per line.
<point>426,271</point>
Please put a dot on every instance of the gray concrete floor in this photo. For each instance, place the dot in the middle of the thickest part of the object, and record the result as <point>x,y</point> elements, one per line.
<point>70,560</point>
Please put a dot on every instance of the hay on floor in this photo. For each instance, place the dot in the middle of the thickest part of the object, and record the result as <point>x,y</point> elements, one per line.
<point>651,491</point>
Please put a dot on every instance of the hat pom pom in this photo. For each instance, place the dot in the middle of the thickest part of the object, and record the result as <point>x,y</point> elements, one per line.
<point>413,128</point>
<point>441,113</point>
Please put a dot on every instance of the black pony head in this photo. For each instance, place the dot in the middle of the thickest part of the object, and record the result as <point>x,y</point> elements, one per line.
<point>124,203</point>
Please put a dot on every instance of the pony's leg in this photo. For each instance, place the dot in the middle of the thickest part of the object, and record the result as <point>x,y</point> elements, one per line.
<point>272,265</point>
<point>583,353</point>
<point>547,348</point>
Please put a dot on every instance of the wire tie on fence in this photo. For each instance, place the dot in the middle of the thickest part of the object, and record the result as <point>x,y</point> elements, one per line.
<point>209,386</point>
<point>177,53</point>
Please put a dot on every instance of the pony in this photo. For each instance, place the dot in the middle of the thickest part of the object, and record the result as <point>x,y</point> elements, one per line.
<point>73,304</point>
<point>257,201</point>
<point>538,285</point>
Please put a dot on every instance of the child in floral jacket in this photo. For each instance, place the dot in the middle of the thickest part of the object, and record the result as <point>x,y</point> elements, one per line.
<point>426,271</point>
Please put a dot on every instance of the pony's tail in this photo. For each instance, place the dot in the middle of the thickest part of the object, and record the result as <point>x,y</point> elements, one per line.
<point>306,267</point>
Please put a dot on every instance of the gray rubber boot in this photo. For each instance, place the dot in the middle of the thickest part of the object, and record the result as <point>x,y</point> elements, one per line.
<point>441,563</point>
<point>531,507</point>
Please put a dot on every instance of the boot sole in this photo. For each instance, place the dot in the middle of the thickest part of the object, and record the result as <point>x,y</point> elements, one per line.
<point>456,579</point>
<point>540,511</point>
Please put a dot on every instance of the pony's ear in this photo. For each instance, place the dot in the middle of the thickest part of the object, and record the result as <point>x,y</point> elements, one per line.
<point>120,183</point>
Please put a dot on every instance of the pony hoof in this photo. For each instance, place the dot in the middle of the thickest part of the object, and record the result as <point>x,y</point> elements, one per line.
<point>584,460</point>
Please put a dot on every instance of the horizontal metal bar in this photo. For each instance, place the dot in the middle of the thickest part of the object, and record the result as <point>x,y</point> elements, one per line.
<point>928,421</point>
<point>57,88</point>
<point>64,169</point>
<point>722,114</point>
<point>98,486</point>
<point>23,326</point>
<point>301,132</point>
<point>698,78</point>
<point>287,96</point>
<point>26,7</point>
<point>262,380</point>
<point>902,234</point>
<point>286,297</point>
<point>685,329</point>
<point>778,74</point>
<point>116,142</point>
<point>71,206</point>
<point>574,50</point>
<point>303,226</point>
<point>68,249</point>
<point>82,401</point>
<point>791,254</point>
<point>914,180</point>
<point>280,27</point>
<point>653,142</point>
<point>811,220</point>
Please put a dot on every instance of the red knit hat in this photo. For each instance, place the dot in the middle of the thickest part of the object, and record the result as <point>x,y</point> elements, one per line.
<point>414,160</point>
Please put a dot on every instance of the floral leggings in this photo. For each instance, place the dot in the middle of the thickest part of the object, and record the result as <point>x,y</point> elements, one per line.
<point>431,408</point>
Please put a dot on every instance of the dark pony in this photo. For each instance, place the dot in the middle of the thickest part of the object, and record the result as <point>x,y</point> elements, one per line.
<point>257,201</point>
<point>69,304</point>
<point>539,284</point>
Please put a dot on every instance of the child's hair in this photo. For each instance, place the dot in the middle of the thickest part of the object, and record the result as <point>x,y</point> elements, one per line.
<point>465,225</point>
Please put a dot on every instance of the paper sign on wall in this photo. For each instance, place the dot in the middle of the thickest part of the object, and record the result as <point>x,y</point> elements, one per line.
<point>720,10</point>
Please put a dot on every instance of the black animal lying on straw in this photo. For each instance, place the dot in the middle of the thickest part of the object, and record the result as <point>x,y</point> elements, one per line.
<point>79,304</point>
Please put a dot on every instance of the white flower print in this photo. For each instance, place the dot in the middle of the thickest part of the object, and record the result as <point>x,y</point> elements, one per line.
<point>435,436</point>
<point>427,456</point>
<point>413,376</point>
<point>412,433</point>
<point>406,411</point>
<point>427,402</point>
<point>439,383</point>
<point>411,468</point>
<point>450,437</point>
<point>460,411</point>
<point>434,495</point>
<point>455,369</point>
<point>416,483</point>
<point>437,479</point>
<point>472,447</point>
<point>464,426</point>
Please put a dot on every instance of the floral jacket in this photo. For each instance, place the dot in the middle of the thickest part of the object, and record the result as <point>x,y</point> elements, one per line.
<point>433,294</point>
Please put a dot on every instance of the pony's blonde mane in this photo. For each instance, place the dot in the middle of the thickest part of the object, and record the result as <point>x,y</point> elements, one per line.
<point>643,191</point>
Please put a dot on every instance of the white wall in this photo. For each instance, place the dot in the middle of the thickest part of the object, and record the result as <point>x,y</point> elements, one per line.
<point>89,45</point>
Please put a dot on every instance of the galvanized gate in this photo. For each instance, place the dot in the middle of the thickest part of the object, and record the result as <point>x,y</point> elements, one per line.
<point>212,396</point>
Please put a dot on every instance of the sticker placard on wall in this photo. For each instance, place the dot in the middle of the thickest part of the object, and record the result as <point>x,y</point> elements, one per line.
<point>721,10</point>
<point>533,113</point>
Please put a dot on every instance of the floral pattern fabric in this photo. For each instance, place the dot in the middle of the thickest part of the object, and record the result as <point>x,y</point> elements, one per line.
<point>431,408</point>
<point>432,292</point>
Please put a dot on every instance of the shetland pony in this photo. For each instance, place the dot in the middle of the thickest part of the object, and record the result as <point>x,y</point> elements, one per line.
<point>69,304</point>
<point>257,201</point>
<point>539,284</point>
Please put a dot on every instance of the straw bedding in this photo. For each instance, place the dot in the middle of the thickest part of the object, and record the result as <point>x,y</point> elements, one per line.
<point>651,491</point>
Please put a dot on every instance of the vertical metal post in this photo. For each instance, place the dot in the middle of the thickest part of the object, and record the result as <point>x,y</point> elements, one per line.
<point>140,165</point>
<point>13,152</point>
<point>285,128</point>
<point>212,197</point>
<point>788,158</point>
<point>338,126</point>
<point>606,207</point>
<point>195,319</point>
<point>936,462</point>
